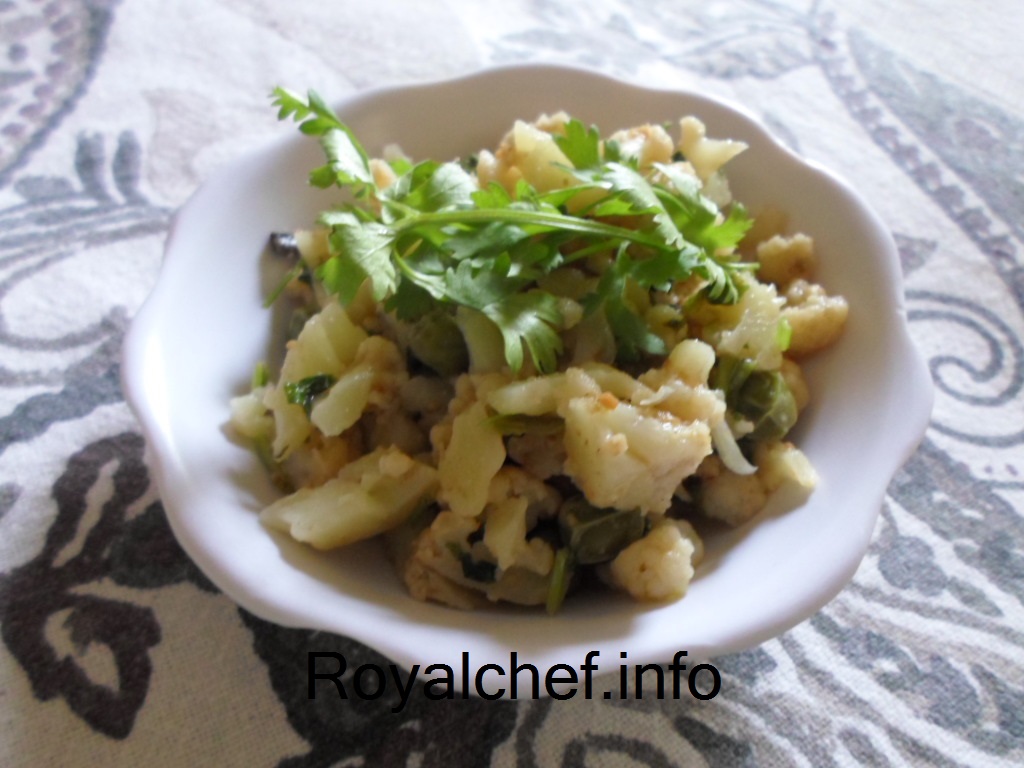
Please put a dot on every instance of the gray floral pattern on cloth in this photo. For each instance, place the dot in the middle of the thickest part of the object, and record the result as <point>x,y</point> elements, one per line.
<point>113,638</point>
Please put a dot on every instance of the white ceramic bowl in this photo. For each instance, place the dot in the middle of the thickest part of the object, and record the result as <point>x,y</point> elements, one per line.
<point>195,341</point>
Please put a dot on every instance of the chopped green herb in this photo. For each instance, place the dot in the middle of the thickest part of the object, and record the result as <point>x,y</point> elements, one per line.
<point>292,274</point>
<point>580,144</point>
<point>306,391</point>
<point>477,570</point>
<point>260,375</point>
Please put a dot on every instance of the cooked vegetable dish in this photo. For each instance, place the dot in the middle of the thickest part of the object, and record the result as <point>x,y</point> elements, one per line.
<point>536,367</point>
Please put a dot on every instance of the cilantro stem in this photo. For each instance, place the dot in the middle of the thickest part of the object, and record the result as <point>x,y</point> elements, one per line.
<point>292,274</point>
<point>555,221</point>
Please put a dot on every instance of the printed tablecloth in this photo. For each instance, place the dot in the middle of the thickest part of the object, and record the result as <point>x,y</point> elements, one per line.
<point>115,649</point>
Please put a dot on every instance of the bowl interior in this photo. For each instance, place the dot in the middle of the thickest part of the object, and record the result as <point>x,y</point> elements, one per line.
<point>195,342</point>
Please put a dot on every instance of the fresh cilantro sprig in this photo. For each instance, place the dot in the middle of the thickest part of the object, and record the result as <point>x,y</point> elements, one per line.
<point>347,161</point>
<point>433,238</point>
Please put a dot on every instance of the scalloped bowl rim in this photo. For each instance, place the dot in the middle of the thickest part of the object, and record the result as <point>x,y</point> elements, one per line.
<point>192,344</point>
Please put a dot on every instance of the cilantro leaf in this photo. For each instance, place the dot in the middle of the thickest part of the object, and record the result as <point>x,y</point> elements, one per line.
<point>635,191</point>
<point>582,146</point>
<point>697,217</point>
<point>346,163</point>
<point>449,187</point>
<point>490,239</point>
<point>730,232</point>
<point>662,269</point>
<point>479,287</point>
<point>529,319</point>
<point>632,335</point>
<point>410,301</point>
<point>346,159</point>
<point>492,196</point>
<point>306,391</point>
<point>360,250</point>
<point>431,186</point>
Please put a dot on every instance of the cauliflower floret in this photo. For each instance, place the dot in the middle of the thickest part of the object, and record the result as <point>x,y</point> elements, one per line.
<point>366,498</point>
<point>659,566</point>
<point>345,401</point>
<point>732,498</point>
<point>782,463</point>
<point>468,389</point>
<point>684,402</point>
<point>489,170</point>
<point>394,427</point>
<point>249,415</point>
<point>706,155</point>
<point>623,456</point>
<point>320,458</point>
<point>512,482</point>
<point>520,586</point>
<point>538,557</point>
<point>387,362</point>
<point>680,385</point>
<point>327,344</point>
<point>505,530</point>
<point>717,190</point>
<point>816,318</point>
<point>692,360</point>
<point>785,259</point>
<point>291,427</point>
<point>690,533</point>
<point>449,529</point>
<point>755,337</point>
<point>425,582</point>
<point>312,245</point>
<point>666,321</point>
<point>515,501</point>
<point>648,144</point>
<point>426,398</point>
<point>612,381</point>
<point>433,570</point>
